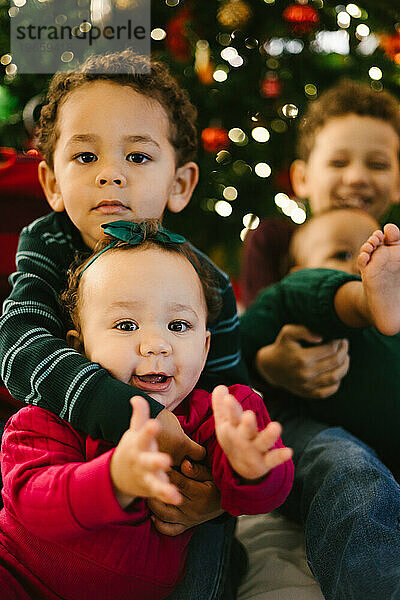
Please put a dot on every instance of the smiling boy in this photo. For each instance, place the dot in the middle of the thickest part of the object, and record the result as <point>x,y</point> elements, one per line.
<point>349,160</point>
<point>348,149</point>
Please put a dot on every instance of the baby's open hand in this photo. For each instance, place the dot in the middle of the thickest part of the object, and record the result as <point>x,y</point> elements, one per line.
<point>137,467</point>
<point>247,449</point>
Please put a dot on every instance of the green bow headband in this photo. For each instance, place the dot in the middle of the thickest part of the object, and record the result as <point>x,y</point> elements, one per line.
<point>134,234</point>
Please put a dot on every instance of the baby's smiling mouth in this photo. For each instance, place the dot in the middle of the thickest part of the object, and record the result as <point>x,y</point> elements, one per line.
<point>153,378</point>
<point>152,382</point>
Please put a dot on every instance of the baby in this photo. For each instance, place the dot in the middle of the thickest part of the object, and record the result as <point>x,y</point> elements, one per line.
<point>140,308</point>
<point>325,294</point>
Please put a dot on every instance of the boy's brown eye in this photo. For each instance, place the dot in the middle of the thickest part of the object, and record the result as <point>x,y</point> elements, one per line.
<point>86,157</point>
<point>137,157</point>
<point>379,166</point>
<point>338,163</point>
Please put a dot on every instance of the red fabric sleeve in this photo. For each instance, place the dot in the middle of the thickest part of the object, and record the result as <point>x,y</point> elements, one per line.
<point>48,486</point>
<point>236,497</point>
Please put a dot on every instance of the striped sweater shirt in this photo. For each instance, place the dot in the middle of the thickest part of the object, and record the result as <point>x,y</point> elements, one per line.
<point>39,368</point>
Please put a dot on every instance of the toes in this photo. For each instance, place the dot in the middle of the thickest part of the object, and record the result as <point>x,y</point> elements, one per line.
<point>363,259</point>
<point>368,248</point>
<point>391,233</point>
<point>376,239</point>
<point>379,234</point>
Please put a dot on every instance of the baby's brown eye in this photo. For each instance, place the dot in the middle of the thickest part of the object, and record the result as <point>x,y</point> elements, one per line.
<point>179,326</point>
<point>343,256</point>
<point>127,326</point>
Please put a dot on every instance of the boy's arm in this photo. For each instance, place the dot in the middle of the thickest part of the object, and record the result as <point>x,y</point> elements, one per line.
<point>237,496</point>
<point>225,363</point>
<point>39,368</point>
<point>304,298</point>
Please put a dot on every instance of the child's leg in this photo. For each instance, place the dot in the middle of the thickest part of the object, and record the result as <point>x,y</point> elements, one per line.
<point>379,263</point>
<point>207,564</point>
<point>350,505</point>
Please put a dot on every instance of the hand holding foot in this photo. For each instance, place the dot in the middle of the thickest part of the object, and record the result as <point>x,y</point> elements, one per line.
<point>247,449</point>
<point>379,264</point>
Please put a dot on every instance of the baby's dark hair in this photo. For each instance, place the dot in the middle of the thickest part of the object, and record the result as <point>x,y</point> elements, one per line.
<point>346,97</point>
<point>123,68</point>
<point>70,298</point>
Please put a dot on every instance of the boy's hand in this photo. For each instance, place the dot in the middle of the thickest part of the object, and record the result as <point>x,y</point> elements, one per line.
<point>136,466</point>
<point>247,449</point>
<point>173,440</point>
<point>314,372</point>
<point>201,500</point>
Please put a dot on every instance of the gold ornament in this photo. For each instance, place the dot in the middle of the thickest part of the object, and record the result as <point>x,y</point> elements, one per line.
<point>234,14</point>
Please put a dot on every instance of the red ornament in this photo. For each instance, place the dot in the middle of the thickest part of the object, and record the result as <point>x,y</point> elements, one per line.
<point>301,18</point>
<point>214,139</point>
<point>271,86</point>
<point>177,40</point>
<point>391,46</point>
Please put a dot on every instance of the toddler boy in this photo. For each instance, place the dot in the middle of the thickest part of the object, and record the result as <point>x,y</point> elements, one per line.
<point>115,145</point>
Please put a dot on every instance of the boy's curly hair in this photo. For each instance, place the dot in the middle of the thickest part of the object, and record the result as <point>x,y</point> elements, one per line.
<point>346,97</point>
<point>70,298</point>
<point>123,68</point>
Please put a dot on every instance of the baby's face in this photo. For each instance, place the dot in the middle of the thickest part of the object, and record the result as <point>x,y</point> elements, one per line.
<point>354,163</point>
<point>113,158</point>
<point>143,317</point>
<point>333,240</point>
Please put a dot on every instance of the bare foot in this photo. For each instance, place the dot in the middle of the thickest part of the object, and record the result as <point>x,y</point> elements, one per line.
<point>379,264</point>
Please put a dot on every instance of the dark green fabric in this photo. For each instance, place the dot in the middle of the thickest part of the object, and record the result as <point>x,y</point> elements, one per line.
<point>134,233</point>
<point>38,367</point>
<point>368,401</point>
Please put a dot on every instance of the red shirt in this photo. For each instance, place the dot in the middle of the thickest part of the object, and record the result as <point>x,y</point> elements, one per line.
<point>62,531</point>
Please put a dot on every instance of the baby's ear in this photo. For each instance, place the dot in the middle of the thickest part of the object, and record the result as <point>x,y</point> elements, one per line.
<point>50,186</point>
<point>185,180</point>
<point>298,178</point>
<point>75,341</point>
<point>207,344</point>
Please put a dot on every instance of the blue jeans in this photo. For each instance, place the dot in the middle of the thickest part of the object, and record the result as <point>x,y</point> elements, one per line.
<point>349,503</point>
<point>207,565</point>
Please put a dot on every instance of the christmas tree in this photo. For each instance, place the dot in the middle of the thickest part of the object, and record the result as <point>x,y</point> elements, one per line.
<point>250,67</point>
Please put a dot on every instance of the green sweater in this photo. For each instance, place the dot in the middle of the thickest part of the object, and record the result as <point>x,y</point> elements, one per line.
<point>39,368</point>
<point>367,402</point>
